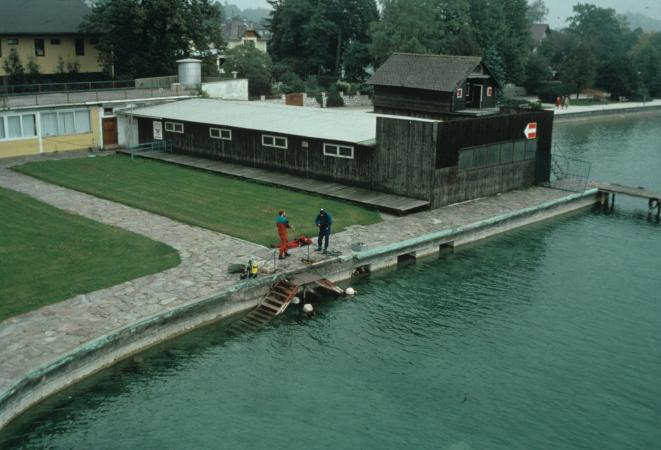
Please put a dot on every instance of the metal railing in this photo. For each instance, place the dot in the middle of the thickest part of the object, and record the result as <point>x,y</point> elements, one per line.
<point>161,146</point>
<point>18,89</point>
<point>569,174</point>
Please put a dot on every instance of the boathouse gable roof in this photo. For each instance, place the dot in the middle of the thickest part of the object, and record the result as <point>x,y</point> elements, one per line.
<point>442,73</point>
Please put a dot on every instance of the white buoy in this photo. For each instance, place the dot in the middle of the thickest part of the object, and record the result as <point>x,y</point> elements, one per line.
<point>349,291</point>
<point>296,300</point>
<point>308,309</point>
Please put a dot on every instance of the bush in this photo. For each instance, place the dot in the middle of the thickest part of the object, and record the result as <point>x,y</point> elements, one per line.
<point>343,87</point>
<point>334,98</point>
<point>291,83</point>
<point>548,92</point>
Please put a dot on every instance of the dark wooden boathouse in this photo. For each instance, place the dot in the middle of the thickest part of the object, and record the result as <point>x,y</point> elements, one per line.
<point>439,86</point>
<point>414,154</point>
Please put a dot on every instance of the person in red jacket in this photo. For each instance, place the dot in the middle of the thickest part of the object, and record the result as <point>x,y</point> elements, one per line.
<point>282,222</point>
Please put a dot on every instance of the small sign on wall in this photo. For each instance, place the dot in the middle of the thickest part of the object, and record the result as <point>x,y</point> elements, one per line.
<point>158,130</point>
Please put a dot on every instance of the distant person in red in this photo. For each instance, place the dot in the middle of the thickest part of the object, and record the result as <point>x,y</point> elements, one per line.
<point>558,102</point>
<point>282,222</point>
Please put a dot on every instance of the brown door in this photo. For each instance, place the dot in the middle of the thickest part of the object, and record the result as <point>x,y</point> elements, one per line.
<point>109,131</point>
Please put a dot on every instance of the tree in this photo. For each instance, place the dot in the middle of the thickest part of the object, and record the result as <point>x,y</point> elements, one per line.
<point>495,64</point>
<point>356,59</point>
<point>580,68</point>
<point>537,11</point>
<point>618,76</point>
<point>13,67</point>
<point>32,71</point>
<point>252,64</point>
<point>311,36</point>
<point>146,37</point>
<point>538,70</point>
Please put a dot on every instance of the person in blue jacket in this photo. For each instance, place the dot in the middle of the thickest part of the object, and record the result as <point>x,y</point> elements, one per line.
<point>324,222</point>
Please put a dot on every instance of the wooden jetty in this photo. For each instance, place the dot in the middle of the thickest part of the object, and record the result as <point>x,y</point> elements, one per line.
<point>609,190</point>
<point>390,203</point>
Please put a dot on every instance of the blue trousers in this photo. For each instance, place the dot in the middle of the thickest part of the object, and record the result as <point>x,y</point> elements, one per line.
<point>324,234</point>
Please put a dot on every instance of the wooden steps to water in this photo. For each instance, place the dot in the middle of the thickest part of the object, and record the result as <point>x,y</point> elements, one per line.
<point>273,304</point>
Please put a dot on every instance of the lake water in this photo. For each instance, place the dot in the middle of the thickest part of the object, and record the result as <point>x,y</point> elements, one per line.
<point>546,337</point>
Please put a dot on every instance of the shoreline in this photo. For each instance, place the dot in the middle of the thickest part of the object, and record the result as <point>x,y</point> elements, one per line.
<point>104,351</point>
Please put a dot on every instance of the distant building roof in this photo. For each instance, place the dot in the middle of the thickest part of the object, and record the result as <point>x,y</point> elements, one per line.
<point>538,32</point>
<point>421,71</point>
<point>345,126</point>
<point>20,17</point>
<point>235,30</point>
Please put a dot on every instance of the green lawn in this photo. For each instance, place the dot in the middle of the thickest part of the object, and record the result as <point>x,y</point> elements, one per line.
<point>239,208</point>
<point>48,255</point>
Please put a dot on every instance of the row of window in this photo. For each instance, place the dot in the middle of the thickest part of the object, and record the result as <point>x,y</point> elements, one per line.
<point>65,122</point>
<point>460,91</point>
<point>496,154</point>
<point>56,123</point>
<point>40,47</point>
<point>336,150</point>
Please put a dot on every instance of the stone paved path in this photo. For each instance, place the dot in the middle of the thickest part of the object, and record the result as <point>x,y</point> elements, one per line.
<point>37,338</point>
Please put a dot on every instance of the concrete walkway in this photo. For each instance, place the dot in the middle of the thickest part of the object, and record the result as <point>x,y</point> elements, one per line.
<point>42,337</point>
<point>610,108</point>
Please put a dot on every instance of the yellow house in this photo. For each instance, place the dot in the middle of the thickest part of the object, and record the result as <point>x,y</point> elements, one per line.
<point>47,31</point>
<point>50,129</point>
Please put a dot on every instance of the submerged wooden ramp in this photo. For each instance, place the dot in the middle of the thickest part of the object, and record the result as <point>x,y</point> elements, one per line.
<point>611,189</point>
<point>274,304</point>
<point>394,204</point>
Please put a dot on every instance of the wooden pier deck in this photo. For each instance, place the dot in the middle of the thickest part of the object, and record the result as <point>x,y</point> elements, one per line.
<point>611,189</point>
<point>389,203</point>
<point>615,188</point>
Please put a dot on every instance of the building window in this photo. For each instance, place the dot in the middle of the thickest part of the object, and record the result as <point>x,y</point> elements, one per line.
<point>55,41</point>
<point>39,49</point>
<point>12,41</point>
<point>18,126</point>
<point>61,123</point>
<point>80,47</point>
<point>460,93</point>
<point>220,133</point>
<point>338,151</point>
<point>274,141</point>
<point>489,91</point>
<point>94,41</point>
<point>174,127</point>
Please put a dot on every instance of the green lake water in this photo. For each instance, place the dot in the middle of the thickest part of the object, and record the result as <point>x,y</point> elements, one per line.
<point>546,337</point>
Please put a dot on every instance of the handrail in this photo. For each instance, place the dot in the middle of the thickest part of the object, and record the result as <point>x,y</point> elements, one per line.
<point>164,146</point>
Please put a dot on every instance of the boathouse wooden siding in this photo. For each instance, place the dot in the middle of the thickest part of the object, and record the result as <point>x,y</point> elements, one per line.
<point>246,148</point>
<point>427,155</point>
<point>411,102</point>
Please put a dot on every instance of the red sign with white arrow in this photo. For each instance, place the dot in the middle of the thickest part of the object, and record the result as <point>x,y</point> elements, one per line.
<point>531,131</point>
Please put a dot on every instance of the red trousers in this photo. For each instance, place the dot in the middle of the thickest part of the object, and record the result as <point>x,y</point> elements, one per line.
<point>284,241</point>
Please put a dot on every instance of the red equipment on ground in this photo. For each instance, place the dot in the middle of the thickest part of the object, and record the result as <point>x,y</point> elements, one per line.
<point>301,241</point>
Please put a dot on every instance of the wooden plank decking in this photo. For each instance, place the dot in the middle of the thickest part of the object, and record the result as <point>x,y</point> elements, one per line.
<point>389,203</point>
<point>626,190</point>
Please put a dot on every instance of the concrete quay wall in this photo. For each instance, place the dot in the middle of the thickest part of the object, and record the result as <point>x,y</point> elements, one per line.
<point>107,350</point>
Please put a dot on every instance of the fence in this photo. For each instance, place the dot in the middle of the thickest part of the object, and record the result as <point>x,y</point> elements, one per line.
<point>569,174</point>
<point>45,98</point>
